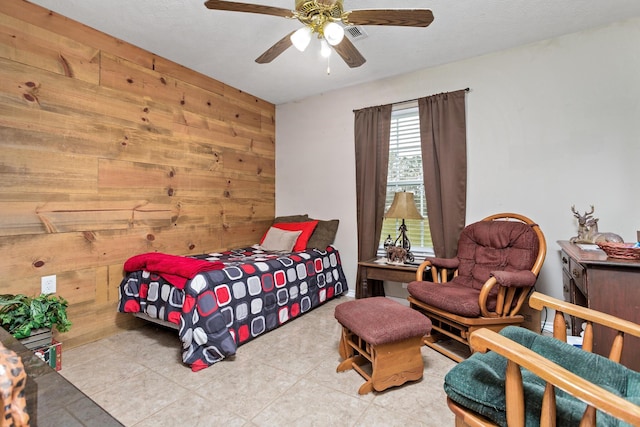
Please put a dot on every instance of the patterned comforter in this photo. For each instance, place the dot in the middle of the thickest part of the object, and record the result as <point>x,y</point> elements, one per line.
<point>218,310</point>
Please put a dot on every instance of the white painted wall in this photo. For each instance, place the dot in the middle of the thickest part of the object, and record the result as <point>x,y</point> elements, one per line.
<point>549,125</point>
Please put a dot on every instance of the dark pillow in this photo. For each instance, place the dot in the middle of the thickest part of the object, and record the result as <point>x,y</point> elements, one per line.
<point>291,218</point>
<point>324,234</point>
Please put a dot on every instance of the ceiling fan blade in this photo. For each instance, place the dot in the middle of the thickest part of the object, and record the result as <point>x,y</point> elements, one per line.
<point>275,50</point>
<point>402,17</point>
<point>349,53</point>
<point>247,7</point>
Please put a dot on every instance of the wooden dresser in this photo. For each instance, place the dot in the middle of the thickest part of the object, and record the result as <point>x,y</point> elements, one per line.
<point>605,284</point>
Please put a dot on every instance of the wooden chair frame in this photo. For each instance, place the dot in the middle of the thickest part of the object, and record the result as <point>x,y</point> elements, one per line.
<point>521,357</point>
<point>509,303</point>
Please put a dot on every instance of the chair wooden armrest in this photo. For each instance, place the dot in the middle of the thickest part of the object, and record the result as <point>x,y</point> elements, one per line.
<point>538,301</point>
<point>504,299</point>
<point>439,268</point>
<point>420,272</point>
<point>509,299</point>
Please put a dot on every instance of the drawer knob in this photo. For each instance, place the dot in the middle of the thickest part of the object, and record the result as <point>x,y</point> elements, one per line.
<point>576,273</point>
<point>565,260</point>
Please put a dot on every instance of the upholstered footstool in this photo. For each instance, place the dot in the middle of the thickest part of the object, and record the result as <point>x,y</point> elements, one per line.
<point>384,334</point>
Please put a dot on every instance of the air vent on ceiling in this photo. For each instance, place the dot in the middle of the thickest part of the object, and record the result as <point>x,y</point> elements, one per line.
<point>355,32</point>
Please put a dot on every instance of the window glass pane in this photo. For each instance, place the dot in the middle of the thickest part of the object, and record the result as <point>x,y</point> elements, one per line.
<point>405,174</point>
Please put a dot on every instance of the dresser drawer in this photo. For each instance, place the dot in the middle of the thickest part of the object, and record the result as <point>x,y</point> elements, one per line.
<point>578,274</point>
<point>564,258</point>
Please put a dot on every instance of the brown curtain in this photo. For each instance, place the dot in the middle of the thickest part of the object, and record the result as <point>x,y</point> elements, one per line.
<point>372,130</point>
<point>444,160</point>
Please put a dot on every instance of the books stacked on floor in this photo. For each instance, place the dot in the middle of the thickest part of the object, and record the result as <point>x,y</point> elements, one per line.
<point>51,354</point>
<point>41,342</point>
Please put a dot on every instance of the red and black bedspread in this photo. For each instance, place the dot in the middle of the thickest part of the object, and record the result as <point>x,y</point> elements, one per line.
<point>232,298</point>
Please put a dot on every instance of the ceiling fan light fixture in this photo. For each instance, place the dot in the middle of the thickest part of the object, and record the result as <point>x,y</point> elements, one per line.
<point>329,20</point>
<point>333,33</point>
<point>325,50</point>
<point>301,38</point>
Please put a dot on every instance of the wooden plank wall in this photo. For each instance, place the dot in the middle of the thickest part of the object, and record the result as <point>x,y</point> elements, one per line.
<point>107,151</point>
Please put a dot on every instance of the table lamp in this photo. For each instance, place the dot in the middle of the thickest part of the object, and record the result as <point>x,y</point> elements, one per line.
<point>403,207</point>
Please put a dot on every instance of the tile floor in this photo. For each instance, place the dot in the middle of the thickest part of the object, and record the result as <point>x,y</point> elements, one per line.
<point>284,378</point>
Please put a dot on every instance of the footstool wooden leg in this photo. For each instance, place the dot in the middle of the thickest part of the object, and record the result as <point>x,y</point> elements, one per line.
<point>353,362</point>
<point>366,388</point>
<point>345,349</point>
<point>396,363</point>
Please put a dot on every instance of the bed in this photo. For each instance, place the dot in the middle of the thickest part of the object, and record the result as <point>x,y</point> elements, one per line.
<point>220,301</point>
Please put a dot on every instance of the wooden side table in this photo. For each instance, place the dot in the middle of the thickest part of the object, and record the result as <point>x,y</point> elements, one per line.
<point>381,271</point>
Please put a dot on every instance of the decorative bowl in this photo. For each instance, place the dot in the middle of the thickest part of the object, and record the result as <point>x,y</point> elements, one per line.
<point>620,250</point>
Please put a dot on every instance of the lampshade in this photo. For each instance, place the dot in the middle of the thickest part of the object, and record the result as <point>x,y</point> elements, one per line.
<point>301,38</point>
<point>333,33</point>
<point>325,50</point>
<point>403,207</point>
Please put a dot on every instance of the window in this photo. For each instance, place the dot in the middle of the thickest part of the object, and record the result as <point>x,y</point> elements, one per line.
<point>405,173</point>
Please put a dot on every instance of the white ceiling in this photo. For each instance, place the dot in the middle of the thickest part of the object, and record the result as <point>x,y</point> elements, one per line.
<point>223,44</point>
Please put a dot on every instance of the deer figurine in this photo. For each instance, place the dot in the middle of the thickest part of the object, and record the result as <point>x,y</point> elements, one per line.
<point>595,236</point>
<point>588,229</point>
<point>582,225</point>
<point>396,254</point>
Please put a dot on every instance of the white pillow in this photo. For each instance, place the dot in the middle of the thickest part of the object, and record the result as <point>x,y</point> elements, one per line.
<point>280,240</point>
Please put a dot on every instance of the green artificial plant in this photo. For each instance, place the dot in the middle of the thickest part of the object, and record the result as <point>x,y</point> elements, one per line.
<point>20,314</point>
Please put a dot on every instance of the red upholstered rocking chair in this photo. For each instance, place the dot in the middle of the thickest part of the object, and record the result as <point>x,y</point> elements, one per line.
<point>496,266</point>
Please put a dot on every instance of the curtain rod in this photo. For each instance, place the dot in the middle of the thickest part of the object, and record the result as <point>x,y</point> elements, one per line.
<point>466,89</point>
<point>411,100</point>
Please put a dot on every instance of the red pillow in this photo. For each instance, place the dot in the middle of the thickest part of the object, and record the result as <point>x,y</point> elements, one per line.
<point>306,228</point>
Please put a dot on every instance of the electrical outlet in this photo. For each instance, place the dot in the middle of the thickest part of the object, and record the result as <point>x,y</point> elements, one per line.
<point>48,284</point>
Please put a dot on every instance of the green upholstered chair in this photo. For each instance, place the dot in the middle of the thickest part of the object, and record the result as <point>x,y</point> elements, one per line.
<point>520,378</point>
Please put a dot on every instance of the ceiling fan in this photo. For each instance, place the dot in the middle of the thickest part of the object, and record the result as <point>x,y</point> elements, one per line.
<point>322,17</point>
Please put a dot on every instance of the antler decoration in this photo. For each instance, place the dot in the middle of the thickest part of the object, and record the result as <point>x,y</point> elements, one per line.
<point>582,219</point>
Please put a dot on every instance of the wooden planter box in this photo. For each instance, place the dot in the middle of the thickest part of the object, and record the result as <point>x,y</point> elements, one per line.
<point>38,338</point>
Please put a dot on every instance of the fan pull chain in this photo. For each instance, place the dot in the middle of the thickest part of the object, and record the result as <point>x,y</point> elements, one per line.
<point>328,66</point>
